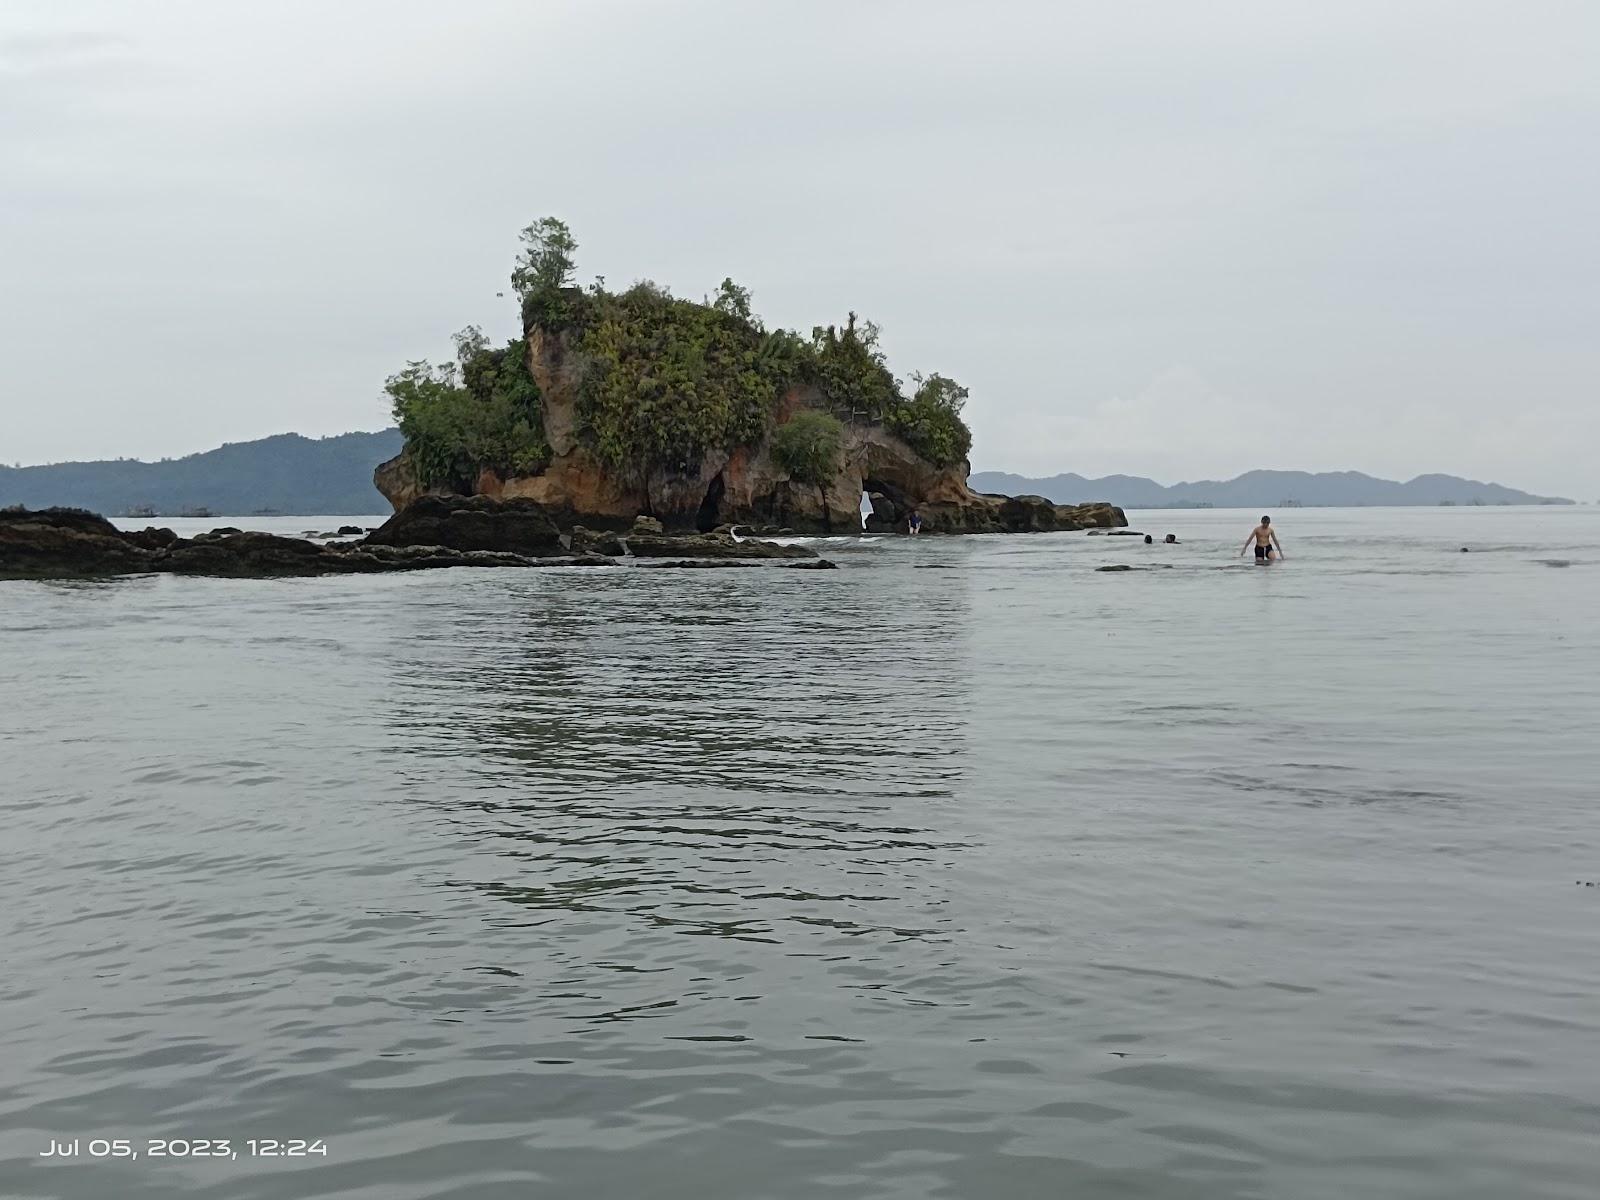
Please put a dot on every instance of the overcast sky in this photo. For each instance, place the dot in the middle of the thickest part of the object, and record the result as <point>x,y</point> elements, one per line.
<point>1171,239</point>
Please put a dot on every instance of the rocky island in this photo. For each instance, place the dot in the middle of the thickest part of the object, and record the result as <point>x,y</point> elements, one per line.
<point>617,404</point>
<point>621,426</point>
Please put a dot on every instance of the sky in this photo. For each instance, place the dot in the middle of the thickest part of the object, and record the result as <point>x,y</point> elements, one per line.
<point>1169,239</point>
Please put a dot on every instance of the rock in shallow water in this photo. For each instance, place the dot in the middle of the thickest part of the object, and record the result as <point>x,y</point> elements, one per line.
<point>589,541</point>
<point>696,562</point>
<point>65,542</point>
<point>71,543</point>
<point>472,523</point>
<point>814,564</point>
<point>526,527</point>
<point>707,545</point>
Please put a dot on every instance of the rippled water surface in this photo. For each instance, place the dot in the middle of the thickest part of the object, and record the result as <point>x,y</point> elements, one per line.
<point>962,871</point>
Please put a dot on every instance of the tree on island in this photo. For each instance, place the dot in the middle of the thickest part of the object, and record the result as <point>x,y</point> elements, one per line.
<point>808,446</point>
<point>545,263</point>
<point>734,301</point>
<point>481,410</point>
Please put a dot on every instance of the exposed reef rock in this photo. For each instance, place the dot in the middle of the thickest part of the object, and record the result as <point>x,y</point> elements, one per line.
<point>437,532</point>
<point>472,523</point>
<point>523,526</point>
<point>60,543</point>
<point>1035,514</point>
<point>815,564</point>
<point>69,541</point>
<point>745,485</point>
<point>707,545</point>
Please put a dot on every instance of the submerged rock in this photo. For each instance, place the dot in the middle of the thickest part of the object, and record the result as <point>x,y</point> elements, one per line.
<point>814,564</point>
<point>697,562</point>
<point>707,545</point>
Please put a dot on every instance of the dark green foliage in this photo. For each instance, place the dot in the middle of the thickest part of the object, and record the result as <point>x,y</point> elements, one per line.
<point>930,422</point>
<point>783,354</point>
<point>667,380</point>
<point>664,380</point>
<point>458,420</point>
<point>807,446</point>
<point>850,369</point>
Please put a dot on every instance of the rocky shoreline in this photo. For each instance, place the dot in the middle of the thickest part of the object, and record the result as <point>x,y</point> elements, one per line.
<point>64,543</point>
<point>433,532</point>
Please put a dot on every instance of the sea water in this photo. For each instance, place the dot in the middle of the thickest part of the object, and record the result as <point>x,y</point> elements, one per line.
<point>966,870</point>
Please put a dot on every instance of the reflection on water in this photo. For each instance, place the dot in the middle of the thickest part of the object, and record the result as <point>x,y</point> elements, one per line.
<point>624,685</point>
<point>722,760</point>
<point>1003,878</point>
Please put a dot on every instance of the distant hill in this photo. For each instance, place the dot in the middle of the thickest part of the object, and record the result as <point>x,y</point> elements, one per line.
<point>1261,489</point>
<point>287,473</point>
<point>301,476</point>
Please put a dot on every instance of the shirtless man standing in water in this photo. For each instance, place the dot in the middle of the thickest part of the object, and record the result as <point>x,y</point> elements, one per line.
<point>1265,538</point>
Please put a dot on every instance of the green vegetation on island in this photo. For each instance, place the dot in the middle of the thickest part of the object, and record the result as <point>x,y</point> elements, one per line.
<point>664,381</point>
<point>480,411</point>
<point>808,445</point>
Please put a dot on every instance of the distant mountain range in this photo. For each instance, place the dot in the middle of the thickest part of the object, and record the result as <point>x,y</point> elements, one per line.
<point>1260,489</point>
<point>287,473</point>
<point>300,476</point>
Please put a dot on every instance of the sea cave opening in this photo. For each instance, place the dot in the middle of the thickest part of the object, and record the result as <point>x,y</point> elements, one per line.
<point>711,507</point>
<point>883,506</point>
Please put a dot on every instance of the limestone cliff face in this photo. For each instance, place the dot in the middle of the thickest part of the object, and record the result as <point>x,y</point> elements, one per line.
<point>745,486</point>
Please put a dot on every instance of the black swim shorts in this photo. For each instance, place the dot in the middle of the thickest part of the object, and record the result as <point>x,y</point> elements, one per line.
<point>1263,551</point>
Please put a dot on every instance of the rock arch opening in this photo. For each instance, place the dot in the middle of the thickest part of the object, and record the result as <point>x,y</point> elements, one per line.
<point>889,505</point>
